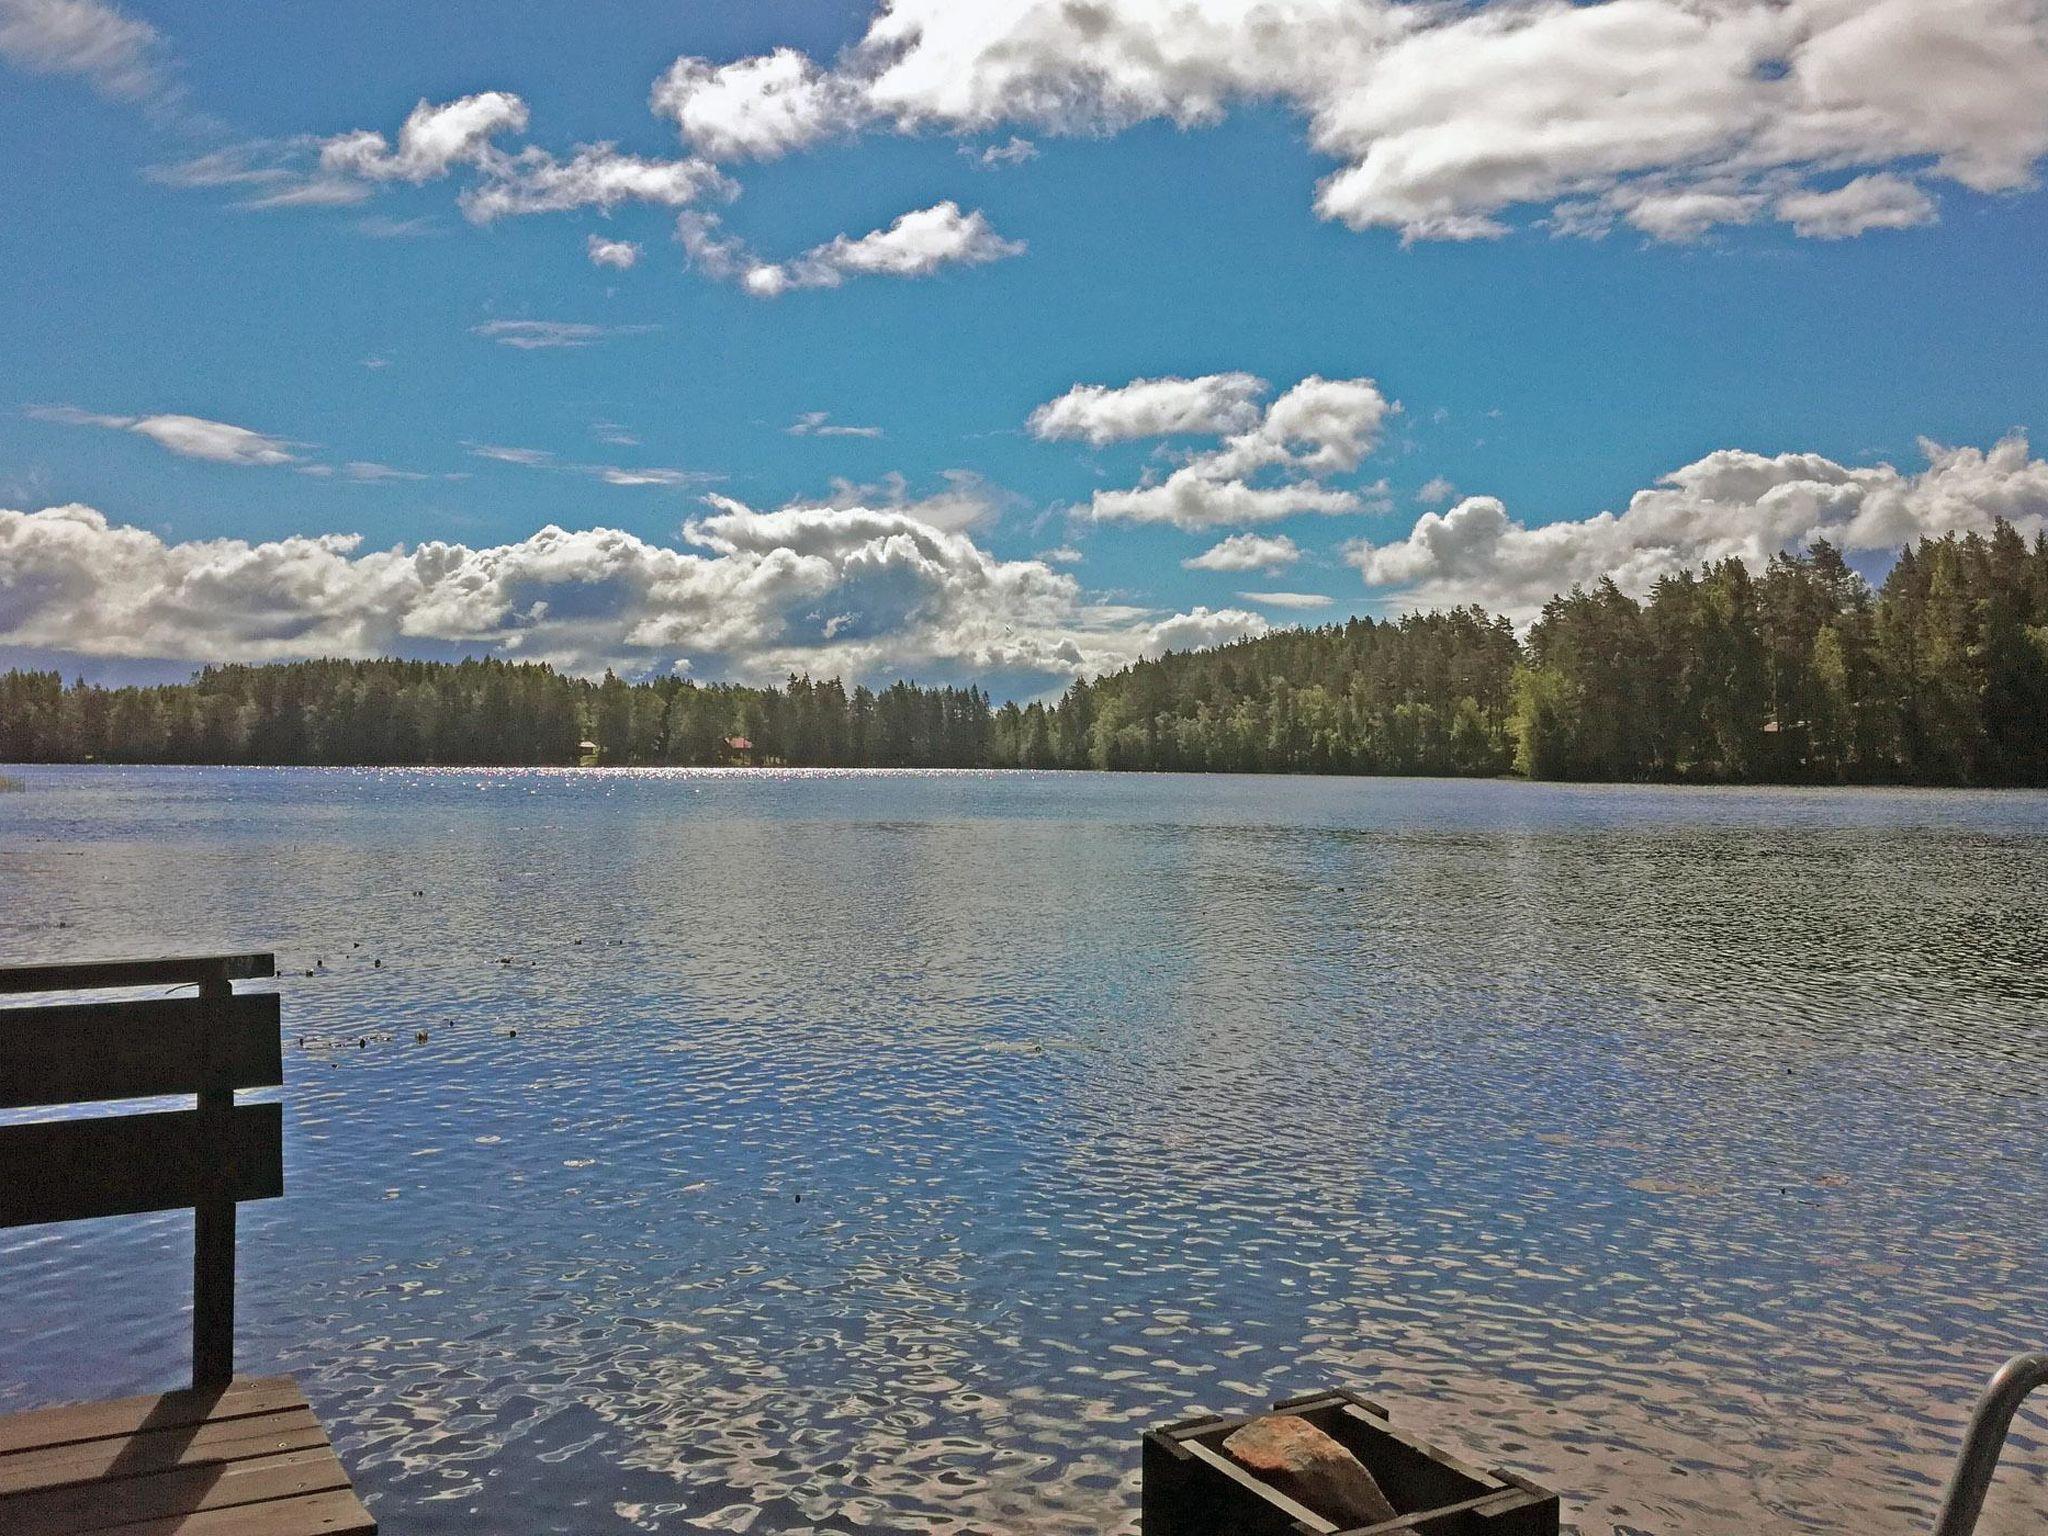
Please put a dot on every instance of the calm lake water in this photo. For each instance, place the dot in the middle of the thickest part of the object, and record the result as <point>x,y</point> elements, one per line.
<point>882,1152</point>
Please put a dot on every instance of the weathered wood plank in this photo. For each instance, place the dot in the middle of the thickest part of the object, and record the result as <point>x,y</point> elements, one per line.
<point>338,1513</point>
<point>177,1492</point>
<point>78,1053</point>
<point>72,1423</point>
<point>158,1450</point>
<point>178,970</point>
<point>121,1165</point>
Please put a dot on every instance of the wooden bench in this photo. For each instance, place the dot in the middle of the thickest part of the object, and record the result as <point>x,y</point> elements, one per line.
<point>230,1456</point>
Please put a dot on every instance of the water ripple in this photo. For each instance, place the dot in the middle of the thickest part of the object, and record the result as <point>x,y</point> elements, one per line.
<point>883,1152</point>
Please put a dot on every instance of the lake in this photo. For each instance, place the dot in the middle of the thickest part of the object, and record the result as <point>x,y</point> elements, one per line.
<point>854,1151</point>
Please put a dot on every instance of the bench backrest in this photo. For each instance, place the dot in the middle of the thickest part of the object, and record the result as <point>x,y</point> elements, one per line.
<point>206,1158</point>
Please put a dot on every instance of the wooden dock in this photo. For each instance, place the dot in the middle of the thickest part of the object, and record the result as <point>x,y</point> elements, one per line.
<point>248,1459</point>
<point>229,1456</point>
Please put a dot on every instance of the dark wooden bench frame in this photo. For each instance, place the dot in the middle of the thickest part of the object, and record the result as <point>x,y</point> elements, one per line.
<point>230,1456</point>
<point>208,1158</point>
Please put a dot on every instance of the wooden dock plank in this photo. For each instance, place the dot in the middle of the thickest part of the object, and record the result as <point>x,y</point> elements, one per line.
<point>316,1514</point>
<point>72,1422</point>
<point>177,1491</point>
<point>249,1459</point>
<point>158,1450</point>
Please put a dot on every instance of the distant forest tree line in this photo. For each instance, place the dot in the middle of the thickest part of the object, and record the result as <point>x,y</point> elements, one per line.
<point>1798,674</point>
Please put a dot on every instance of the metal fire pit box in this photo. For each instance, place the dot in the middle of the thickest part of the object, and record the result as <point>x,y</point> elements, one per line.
<point>1193,1488</point>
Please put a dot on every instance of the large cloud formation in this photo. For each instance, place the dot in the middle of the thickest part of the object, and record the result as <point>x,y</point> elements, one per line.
<point>1272,463</point>
<point>1442,119</point>
<point>1670,115</point>
<point>1728,503</point>
<point>856,591</point>
<point>870,591</point>
<point>436,140</point>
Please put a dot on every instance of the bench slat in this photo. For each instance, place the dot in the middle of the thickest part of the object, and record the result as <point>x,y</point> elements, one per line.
<point>182,970</point>
<point>122,1165</point>
<point>77,1053</point>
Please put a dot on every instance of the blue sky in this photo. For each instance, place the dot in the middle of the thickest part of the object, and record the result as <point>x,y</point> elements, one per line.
<point>1557,296</point>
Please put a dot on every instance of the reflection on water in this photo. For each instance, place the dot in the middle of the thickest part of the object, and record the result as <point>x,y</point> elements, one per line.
<point>874,1152</point>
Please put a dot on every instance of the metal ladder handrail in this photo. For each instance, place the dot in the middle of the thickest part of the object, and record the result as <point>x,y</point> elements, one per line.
<point>1984,1440</point>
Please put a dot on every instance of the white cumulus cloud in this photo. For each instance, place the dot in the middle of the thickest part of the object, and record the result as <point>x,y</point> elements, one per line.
<point>1876,201</point>
<point>1100,414</point>
<point>858,591</point>
<point>1246,552</point>
<point>917,244</point>
<point>595,176</point>
<point>618,254</point>
<point>432,140</point>
<point>1320,425</point>
<point>1443,120</point>
<point>435,140</point>
<point>761,106</point>
<point>1437,120</point>
<point>1275,464</point>
<point>1730,503</point>
<point>1194,498</point>
<point>1201,628</point>
<point>964,502</point>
